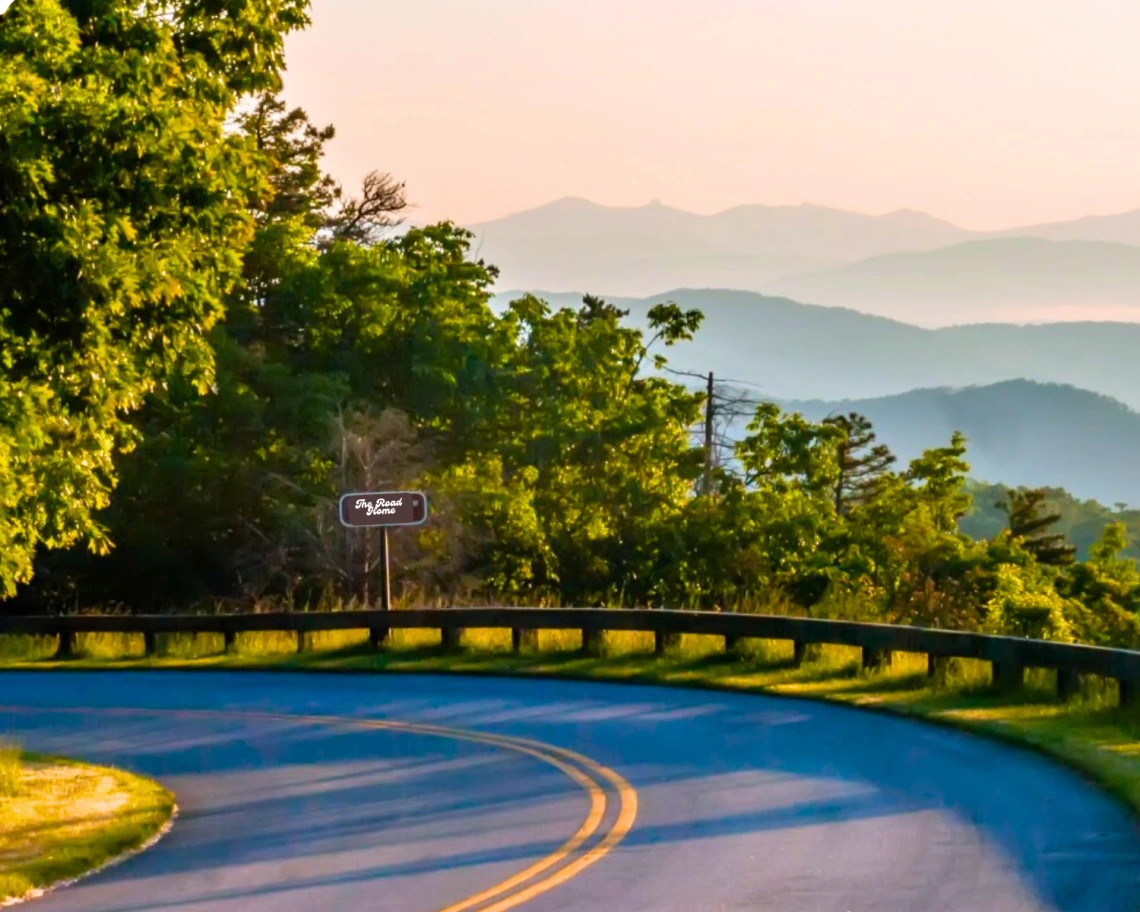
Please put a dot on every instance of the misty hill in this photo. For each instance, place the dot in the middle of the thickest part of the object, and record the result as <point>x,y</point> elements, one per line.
<point>800,351</point>
<point>1006,278</point>
<point>825,256</point>
<point>1123,228</point>
<point>1019,432</point>
<point>574,243</point>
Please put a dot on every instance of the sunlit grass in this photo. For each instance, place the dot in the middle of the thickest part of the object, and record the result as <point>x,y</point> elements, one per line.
<point>11,768</point>
<point>60,819</point>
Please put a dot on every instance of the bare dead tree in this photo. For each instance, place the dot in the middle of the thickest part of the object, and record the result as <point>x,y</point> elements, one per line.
<point>731,407</point>
<point>364,218</point>
<point>261,564</point>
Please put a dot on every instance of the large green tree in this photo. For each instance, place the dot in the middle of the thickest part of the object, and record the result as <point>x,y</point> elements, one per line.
<point>122,223</point>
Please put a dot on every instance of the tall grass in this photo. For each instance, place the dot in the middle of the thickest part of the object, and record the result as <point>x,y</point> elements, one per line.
<point>11,769</point>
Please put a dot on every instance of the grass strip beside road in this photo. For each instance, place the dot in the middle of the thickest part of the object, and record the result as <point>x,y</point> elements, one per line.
<point>60,819</point>
<point>1089,733</point>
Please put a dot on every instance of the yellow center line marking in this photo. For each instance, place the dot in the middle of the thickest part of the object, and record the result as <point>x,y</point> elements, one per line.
<point>552,755</point>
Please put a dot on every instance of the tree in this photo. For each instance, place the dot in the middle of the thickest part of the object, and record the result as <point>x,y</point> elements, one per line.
<point>363,219</point>
<point>1028,523</point>
<point>1025,604</point>
<point>785,452</point>
<point>939,477</point>
<point>861,462</point>
<point>601,451</point>
<point>122,222</point>
<point>1108,588</point>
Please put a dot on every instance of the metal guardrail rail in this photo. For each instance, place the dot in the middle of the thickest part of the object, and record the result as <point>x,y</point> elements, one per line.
<point>1009,656</point>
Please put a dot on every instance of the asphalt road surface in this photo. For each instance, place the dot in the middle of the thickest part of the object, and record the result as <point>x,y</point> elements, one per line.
<point>409,793</point>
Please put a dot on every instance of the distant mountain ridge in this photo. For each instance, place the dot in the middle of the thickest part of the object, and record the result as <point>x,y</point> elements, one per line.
<point>1020,278</point>
<point>903,264</point>
<point>785,349</point>
<point>642,249</point>
<point>1019,433</point>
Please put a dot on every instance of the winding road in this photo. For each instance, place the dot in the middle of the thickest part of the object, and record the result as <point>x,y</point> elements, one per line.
<point>412,793</point>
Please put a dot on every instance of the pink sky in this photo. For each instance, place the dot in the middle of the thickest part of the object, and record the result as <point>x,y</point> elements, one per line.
<point>989,113</point>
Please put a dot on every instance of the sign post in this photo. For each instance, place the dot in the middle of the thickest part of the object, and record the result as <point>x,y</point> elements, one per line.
<point>383,509</point>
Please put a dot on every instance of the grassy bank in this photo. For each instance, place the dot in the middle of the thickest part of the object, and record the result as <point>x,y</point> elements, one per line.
<point>60,819</point>
<point>1089,732</point>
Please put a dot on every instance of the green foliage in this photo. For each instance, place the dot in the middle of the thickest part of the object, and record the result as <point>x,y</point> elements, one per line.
<point>1027,605</point>
<point>122,225</point>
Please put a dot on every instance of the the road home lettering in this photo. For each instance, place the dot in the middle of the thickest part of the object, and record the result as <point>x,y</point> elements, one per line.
<point>381,506</point>
<point>384,508</point>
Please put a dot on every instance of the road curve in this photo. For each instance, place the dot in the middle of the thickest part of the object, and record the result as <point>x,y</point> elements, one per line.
<point>410,793</point>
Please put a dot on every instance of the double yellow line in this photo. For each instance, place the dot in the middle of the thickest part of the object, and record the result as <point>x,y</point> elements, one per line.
<point>568,860</point>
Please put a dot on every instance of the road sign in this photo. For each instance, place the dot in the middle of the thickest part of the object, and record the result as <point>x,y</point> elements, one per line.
<point>384,508</point>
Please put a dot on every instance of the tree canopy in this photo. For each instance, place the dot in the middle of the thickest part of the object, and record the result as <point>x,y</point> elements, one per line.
<point>124,224</point>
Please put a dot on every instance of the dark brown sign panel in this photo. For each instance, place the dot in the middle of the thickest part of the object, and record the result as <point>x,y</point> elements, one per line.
<point>384,508</point>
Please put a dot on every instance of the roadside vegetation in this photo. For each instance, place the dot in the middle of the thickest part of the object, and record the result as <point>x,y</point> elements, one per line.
<point>60,819</point>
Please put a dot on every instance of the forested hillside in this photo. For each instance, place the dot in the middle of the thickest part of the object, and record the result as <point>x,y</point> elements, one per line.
<point>208,365</point>
<point>1082,522</point>
<point>1019,433</point>
<point>787,350</point>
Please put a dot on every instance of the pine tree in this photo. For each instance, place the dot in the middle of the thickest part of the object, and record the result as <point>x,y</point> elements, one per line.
<point>1028,523</point>
<point>862,462</point>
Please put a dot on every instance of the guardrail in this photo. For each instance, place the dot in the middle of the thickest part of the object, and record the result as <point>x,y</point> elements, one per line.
<point>1009,656</point>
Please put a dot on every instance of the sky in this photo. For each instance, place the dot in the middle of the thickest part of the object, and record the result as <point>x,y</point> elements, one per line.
<point>989,113</point>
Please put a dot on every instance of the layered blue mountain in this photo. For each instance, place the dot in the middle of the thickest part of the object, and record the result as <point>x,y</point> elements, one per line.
<point>904,264</point>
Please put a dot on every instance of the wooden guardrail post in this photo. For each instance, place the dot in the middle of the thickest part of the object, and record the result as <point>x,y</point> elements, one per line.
<point>1068,684</point>
<point>805,652</point>
<point>1007,675</point>
<point>150,643</point>
<point>876,659</point>
<point>593,642</point>
<point>378,637</point>
<point>1129,693</point>
<point>67,648</point>
<point>449,637</point>
<point>304,641</point>
<point>665,642</point>
<point>523,639</point>
<point>732,644</point>
<point>940,667</point>
<point>229,640</point>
